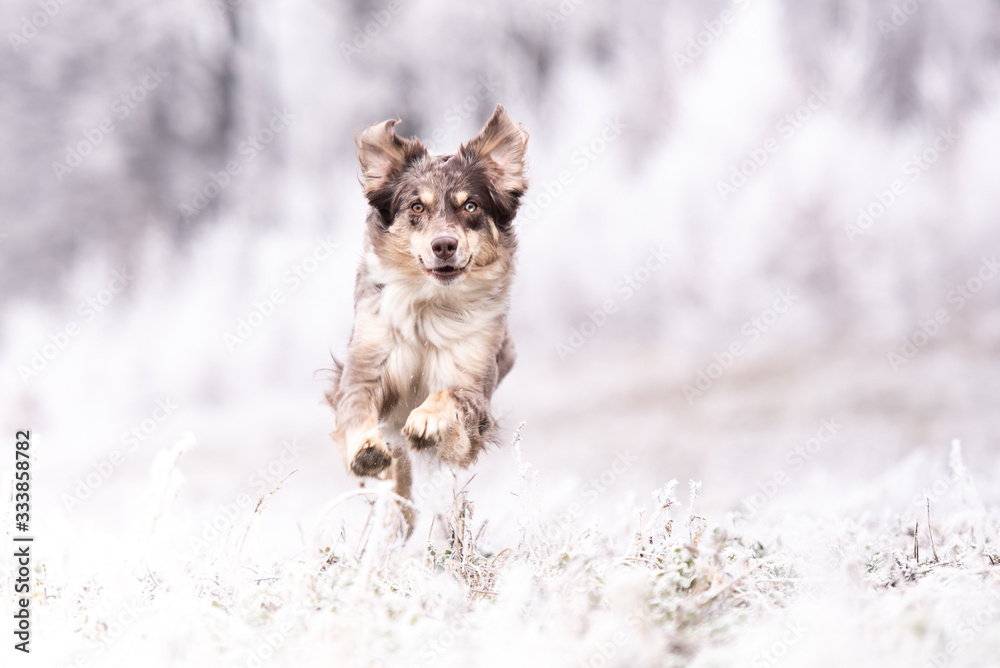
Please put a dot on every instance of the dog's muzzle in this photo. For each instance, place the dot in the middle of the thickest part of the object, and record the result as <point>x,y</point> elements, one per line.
<point>446,270</point>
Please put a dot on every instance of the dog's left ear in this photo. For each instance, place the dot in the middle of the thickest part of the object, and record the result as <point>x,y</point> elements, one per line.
<point>503,144</point>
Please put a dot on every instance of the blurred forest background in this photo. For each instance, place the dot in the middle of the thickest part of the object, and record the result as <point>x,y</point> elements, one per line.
<point>765,145</point>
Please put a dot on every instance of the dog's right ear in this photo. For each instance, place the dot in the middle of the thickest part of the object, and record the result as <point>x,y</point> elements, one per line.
<point>384,155</point>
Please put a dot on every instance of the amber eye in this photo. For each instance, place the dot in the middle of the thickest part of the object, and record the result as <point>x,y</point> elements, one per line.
<point>417,207</point>
<point>471,207</point>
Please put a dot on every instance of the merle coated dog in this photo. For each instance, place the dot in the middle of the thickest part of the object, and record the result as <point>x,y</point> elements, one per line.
<point>430,341</point>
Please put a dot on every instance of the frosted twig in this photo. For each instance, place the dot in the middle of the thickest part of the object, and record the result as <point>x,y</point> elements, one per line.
<point>258,509</point>
<point>930,533</point>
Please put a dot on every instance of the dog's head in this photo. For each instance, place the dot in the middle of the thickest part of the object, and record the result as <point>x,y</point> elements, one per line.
<point>444,218</point>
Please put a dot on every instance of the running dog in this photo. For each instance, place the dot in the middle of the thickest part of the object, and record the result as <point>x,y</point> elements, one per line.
<point>430,341</point>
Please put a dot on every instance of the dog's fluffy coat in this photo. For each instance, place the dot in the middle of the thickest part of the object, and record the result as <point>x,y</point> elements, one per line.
<point>430,340</point>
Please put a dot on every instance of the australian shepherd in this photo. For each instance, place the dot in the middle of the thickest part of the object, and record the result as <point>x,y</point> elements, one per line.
<point>430,341</point>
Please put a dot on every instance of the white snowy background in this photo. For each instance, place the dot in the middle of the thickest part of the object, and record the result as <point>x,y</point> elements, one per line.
<point>823,178</point>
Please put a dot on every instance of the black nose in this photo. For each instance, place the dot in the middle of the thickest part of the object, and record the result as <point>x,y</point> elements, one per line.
<point>444,247</point>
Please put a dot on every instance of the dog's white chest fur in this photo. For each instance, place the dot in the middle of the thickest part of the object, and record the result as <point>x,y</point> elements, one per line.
<point>441,336</point>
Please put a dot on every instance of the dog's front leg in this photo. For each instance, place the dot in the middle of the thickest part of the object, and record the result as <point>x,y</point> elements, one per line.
<point>454,422</point>
<point>358,434</point>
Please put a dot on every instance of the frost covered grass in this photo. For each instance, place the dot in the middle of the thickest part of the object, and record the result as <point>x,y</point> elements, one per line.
<point>665,586</point>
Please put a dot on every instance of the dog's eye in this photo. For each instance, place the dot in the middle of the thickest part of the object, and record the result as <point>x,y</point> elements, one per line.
<point>471,207</point>
<point>417,207</point>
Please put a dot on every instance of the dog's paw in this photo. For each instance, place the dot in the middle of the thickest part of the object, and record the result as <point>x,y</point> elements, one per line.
<point>371,456</point>
<point>439,423</point>
<point>427,426</point>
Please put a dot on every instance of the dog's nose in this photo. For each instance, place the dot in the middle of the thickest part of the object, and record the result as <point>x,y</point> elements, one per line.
<point>444,247</point>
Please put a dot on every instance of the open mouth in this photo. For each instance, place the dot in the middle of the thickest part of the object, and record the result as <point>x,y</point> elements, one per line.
<point>446,271</point>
